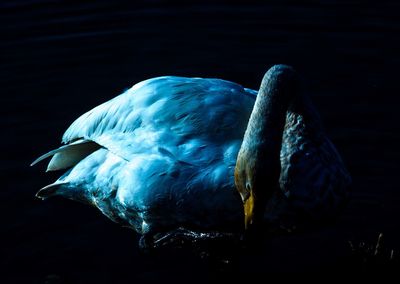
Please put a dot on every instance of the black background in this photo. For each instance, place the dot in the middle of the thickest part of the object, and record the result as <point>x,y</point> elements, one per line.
<point>59,59</point>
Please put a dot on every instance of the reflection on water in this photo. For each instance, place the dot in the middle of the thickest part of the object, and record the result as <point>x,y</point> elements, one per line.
<point>60,59</point>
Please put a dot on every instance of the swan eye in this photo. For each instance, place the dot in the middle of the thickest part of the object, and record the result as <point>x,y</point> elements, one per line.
<point>245,194</point>
<point>248,187</point>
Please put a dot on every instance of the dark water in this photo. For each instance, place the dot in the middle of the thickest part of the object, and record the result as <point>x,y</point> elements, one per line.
<point>59,59</point>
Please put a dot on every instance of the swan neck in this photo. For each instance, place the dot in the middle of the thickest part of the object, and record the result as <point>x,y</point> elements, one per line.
<point>267,121</point>
<point>258,164</point>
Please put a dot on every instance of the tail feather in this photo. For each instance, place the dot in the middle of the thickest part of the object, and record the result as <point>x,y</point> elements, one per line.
<point>68,155</point>
<point>49,190</point>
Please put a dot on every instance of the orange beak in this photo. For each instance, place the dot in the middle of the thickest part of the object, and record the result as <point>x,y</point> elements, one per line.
<point>248,211</point>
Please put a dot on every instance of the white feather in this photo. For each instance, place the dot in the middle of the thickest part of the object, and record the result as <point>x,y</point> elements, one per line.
<point>168,151</point>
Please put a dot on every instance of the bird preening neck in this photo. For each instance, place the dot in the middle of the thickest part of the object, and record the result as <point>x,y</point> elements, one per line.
<point>258,164</point>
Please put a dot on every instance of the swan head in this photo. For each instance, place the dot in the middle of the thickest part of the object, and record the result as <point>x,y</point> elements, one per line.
<point>258,165</point>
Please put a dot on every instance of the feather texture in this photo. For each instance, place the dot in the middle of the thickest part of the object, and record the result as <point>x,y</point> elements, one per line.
<point>167,152</point>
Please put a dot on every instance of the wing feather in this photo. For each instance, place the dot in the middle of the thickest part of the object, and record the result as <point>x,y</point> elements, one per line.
<point>166,111</point>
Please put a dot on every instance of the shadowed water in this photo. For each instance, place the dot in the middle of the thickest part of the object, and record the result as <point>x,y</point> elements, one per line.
<point>59,59</point>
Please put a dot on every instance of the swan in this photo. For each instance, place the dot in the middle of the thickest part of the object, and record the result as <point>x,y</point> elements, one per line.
<point>175,152</point>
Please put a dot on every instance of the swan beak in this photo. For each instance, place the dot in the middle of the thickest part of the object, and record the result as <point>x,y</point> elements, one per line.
<point>248,211</point>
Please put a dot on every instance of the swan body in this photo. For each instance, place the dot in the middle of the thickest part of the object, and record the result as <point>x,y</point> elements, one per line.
<point>162,155</point>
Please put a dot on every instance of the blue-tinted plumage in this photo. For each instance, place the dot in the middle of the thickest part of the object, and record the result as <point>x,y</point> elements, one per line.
<point>163,155</point>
